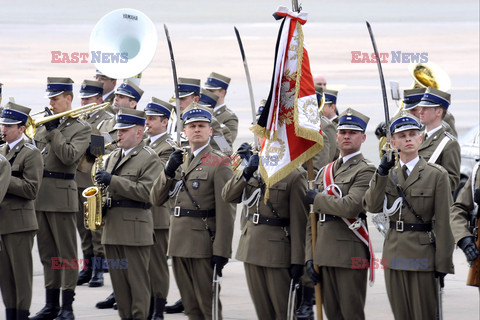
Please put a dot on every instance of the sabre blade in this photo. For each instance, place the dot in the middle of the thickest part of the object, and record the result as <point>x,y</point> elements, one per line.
<point>388,146</point>
<point>175,82</point>
<point>249,81</point>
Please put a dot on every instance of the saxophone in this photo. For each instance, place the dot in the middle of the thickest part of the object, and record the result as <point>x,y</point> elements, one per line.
<point>93,218</point>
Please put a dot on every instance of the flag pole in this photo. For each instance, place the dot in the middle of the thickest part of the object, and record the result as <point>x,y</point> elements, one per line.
<point>313,224</point>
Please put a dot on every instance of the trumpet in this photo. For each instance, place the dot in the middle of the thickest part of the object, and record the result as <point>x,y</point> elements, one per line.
<point>40,112</point>
<point>31,125</point>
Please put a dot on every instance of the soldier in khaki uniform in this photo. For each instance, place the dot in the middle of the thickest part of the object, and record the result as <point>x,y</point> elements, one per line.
<point>201,225</point>
<point>438,145</point>
<point>18,223</point>
<point>109,84</point>
<point>128,233</point>
<point>158,113</point>
<point>93,253</point>
<point>460,215</point>
<point>272,244</point>
<point>344,287</point>
<point>218,85</point>
<point>419,243</point>
<point>127,95</point>
<point>62,143</point>
<point>224,141</point>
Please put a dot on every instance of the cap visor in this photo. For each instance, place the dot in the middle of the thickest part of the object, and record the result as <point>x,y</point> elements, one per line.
<point>120,125</point>
<point>211,87</point>
<point>9,121</point>
<point>408,106</point>
<point>184,94</point>
<point>349,127</point>
<point>154,113</point>
<point>88,94</point>
<point>51,94</point>
<point>196,120</point>
<point>124,93</point>
<point>405,128</point>
<point>428,104</point>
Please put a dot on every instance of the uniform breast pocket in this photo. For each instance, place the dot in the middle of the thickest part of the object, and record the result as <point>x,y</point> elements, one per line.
<point>130,174</point>
<point>197,182</point>
<point>277,191</point>
<point>421,198</point>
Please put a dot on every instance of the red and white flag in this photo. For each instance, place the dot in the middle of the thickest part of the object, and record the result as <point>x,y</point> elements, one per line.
<point>290,121</point>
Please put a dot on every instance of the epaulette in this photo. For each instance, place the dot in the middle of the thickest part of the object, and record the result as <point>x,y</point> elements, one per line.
<point>437,166</point>
<point>450,136</point>
<point>2,158</point>
<point>219,153</point>
<point>149,150</point>
<point>110,114</point>
<point>324,118</point>
<point>171,142</point>
<point>368,162</point>
<point>29,146</point>
<point>85,123</point>
<point>230,111</point>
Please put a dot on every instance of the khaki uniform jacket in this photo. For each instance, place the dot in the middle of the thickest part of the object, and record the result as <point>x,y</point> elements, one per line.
<point>428,192</point>
<point>62,149</point>
<point>459,212</point>
<point>18,210</point>
<point>205,177</point>
<point>265,245</point>
<point>132,180</point>
<point>336,243</point>
<point>163,146</point>
<point>84,169</point>
<point>449,158</point>
<point>5,175</point>
<point>226,116</point>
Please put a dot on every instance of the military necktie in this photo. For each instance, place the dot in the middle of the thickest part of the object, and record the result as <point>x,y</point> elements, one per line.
<point>404,171</point>
<point>118,161</point>
<point>337,165</point>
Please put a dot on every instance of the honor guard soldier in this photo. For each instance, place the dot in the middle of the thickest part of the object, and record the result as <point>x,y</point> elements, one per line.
<point>224,141</point>
<point>330,110</point>
<point>419,243</point>
<point>341,227</point>
<point>464,217</point>
<point>128,233</point>
<point>93,252</point>
<point>62,143</point>
<point>272,242</point>
<point>201,225</point>
<point>218,85</point>
<point>158,114</point>
<point>109,84</point>
<point>18,223</point>
<point>438,145</point>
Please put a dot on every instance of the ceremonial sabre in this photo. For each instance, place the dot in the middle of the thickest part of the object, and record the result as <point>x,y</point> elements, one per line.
<point>175,82</point>
<point>388,146</point>
<point>215,293</point>
<point>249,81</point>
<point>291,300</point>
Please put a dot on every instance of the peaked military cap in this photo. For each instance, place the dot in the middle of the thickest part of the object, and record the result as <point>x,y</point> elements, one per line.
<point>100,73</point>
<point>57,86</point>
<point>435,98</point>
<point>352,120</point>
<point>330,96</point>
<point>188,86</point>
<point>14,114</point>
<point>207,98</point>
<point>129,89</point>
<point>91,88</point>
<point>217,81</point>
<point>412,97</point>
<point>261,107</point>
<point>196,112</point>
<point>157,107</point>
<point>127,118</point>
<point>404,121</point>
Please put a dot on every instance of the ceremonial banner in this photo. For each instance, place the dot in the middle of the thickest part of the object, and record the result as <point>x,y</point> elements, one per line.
<point>290,121</point>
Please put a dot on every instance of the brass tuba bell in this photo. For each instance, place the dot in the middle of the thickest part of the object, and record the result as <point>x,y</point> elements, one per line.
<point>429,75</point>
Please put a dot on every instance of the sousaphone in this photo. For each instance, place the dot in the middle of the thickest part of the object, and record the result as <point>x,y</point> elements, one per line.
<point>124,32</point>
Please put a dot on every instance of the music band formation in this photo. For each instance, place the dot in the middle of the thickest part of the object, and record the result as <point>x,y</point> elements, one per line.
<point>148,199</point>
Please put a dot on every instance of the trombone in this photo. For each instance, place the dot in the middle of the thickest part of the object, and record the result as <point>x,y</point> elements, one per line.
<point>31,125</point>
